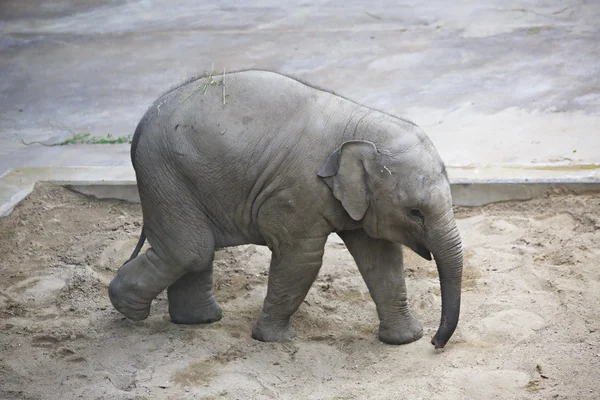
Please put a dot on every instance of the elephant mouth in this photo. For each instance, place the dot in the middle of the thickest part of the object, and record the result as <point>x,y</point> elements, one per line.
<point>422,251</point>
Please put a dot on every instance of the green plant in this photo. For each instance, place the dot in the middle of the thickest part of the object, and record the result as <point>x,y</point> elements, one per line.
<point>85,138</point>
<point>210,81</point>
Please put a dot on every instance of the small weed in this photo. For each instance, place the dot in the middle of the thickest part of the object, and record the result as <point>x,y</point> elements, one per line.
<point>533,31</point>
<point>85,138</point>
<point>222,83</point>
<point>210,80</point>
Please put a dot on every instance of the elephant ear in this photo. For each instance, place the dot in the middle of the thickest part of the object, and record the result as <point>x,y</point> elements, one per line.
<point>346,173</point>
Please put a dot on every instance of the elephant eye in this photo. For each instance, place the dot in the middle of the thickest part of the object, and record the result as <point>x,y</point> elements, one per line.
<point>416,213</point>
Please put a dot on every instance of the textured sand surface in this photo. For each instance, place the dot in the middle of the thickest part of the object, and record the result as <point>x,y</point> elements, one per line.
<point>530,326</point>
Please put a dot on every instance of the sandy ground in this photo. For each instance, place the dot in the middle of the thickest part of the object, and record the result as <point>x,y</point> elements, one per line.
<point>529,329</point>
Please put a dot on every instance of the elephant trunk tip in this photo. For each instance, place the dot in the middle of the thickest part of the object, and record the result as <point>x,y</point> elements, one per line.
<point>437,343</point>
<point>444,333</point>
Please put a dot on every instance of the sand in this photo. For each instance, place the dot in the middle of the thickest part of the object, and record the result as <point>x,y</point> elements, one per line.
<point>529,328</point>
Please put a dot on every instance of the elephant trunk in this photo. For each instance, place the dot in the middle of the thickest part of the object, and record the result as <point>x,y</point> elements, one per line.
<point>448,254</point>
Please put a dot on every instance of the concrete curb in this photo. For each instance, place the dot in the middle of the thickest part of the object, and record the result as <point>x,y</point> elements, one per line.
<point>470,186</point>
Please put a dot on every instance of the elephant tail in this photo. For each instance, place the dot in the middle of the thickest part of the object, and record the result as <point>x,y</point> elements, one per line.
<point>138,247</point>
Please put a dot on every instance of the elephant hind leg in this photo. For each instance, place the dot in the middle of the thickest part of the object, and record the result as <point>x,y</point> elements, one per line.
<point>191,300</point>
<point>180,259</point>
<point>189,285</point>
<point>138,282</point>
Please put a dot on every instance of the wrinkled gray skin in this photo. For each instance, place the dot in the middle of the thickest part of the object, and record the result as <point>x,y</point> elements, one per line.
<point>284,164</point>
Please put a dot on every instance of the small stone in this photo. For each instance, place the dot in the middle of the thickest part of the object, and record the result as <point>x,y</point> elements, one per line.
<point>538,368</point>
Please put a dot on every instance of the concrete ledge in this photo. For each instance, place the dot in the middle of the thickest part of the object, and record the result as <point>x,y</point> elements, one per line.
<point>485,185</point>
<point>127,192</point>
<point>480,194</point>
<point>100,182</point>
<point>470,186</point>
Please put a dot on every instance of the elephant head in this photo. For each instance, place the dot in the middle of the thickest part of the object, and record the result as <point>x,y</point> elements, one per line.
<point>399,191</point>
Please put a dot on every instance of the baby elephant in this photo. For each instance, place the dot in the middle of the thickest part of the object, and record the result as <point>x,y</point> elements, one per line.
<point>255,157</point>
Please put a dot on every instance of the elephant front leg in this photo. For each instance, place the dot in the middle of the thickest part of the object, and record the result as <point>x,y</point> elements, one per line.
<point>381,265</point>
<point>292,272</point>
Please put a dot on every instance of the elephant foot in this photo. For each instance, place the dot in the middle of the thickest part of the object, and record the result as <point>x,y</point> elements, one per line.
<point>184,312</point>
<point>126,302</point>
<point>266,330</point>
<point>401,333</point>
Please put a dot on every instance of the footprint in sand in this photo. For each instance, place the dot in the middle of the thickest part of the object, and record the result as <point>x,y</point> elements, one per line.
<point>483,383</point>
<point>506,326</point>
<point>41,289</point>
